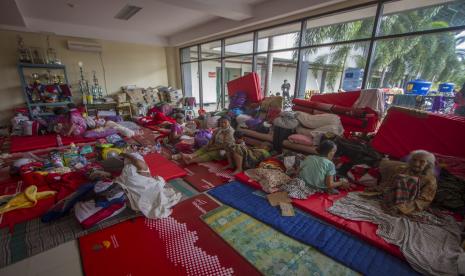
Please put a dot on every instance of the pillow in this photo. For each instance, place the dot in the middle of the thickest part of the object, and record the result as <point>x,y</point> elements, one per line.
<point>300,139</point>
<point>304,131</point>
<point>336,129</point>
<point>318,120</point>
<point>99,133</point>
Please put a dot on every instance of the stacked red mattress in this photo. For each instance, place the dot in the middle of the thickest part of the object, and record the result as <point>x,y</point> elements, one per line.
<point>346,99</point>
<point>352,119</point>
<point>404,130</point>
<point>317,204</point>
<point>249,84</point>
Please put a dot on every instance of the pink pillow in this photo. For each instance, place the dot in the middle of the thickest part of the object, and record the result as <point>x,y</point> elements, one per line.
<point>301,139</point>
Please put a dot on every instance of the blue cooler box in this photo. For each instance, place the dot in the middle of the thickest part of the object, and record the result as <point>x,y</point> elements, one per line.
<point>418,87</point>
<point>446,87</point>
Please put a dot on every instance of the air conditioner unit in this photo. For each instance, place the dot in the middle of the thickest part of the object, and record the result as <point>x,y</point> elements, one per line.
<point>84,46</point>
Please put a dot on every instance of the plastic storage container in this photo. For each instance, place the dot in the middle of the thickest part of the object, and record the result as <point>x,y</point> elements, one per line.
<point>446,87</point>
<point>418,87</point>
<point>352,79</point>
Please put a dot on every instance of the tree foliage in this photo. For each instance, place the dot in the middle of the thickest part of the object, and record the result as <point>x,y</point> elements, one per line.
<point>433,57</point>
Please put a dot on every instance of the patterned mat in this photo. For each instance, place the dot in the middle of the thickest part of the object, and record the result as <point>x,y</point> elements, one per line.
<point>271,252</point>
<point>33,237</point>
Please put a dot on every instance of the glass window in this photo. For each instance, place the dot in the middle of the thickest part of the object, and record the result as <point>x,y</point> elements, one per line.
<point>276,68</point>
<point>418,15</point>
<point>190,80</point>
<point>333,68</point>
<point>282,37</point>
<point>234,68</point>
<point>211,50</point>
<point>239,45</point>
<point>189,54</point>
<point>211,84</point>
<point>355,24</point>
<point>434,58</point>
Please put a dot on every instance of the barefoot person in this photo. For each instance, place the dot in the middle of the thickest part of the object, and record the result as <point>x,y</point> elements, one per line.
<point>216,149</point>
<point>241,157</point>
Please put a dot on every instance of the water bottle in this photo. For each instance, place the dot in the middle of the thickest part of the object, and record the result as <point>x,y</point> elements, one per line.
<point>59,141</point>
<point>158,147</point>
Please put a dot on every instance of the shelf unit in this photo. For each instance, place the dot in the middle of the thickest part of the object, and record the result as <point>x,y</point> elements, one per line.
<point>24,84</point>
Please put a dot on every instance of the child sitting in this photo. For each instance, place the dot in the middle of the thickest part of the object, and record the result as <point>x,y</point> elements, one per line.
<point>68,121</point>
<point>77,123</point>
<point>318,171</point>
<point>241,156</point>
<point>177,129</point>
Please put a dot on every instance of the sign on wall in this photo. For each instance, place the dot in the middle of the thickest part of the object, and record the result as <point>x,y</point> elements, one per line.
<point>212,74</point>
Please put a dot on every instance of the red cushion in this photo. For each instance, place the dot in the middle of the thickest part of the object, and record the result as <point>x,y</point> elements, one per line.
<point>317,204</point>
<point>159,165</point>
<point>346,99</point>
<point>403,130</point>
<point>249,84</point>
<point>28,143</point>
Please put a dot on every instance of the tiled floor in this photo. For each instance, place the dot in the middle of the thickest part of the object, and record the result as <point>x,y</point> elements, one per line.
<point>59,261</point>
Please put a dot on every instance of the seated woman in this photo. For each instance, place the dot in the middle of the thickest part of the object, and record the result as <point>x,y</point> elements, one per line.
<point>222,140</point>
<point>241,156</point>
<point>145,193</point>
<point>318,171</point>
<point>412,187</point>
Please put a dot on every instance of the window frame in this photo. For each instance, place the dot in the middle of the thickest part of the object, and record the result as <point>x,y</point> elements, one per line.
<point>375,36</point>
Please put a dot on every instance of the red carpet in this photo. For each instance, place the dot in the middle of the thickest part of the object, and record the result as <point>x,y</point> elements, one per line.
<point>317,204</point>
<point>179,245</point>
<point>28,143</point>
<point>163,167</point>
<point>201,179</point>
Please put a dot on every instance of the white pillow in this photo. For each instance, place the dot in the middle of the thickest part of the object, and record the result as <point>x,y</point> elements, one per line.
<point>318,120</point>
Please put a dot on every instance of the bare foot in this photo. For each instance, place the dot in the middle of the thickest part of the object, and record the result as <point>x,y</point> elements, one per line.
<point>184,158</point>
<point>228,167</point>
<point>237,171</point>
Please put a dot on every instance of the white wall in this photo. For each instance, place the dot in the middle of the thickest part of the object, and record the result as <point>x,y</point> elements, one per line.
<point>124,64</point>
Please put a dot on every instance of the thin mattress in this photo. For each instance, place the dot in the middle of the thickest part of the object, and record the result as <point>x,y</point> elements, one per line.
<point>317,204</point>
<point>29,143</point>
<point>159,165</point>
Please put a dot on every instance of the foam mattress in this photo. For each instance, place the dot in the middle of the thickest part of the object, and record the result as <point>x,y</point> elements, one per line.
<point>317,204</point>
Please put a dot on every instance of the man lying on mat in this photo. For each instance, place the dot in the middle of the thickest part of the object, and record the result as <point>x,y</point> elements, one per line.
<point>145,193</point>
<point>411,187</point>
<point>216,149</point>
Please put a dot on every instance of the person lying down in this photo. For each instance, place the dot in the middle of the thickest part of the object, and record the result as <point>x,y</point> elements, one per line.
<point>145,193</point>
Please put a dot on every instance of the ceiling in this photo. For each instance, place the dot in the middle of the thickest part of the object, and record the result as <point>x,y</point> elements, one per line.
<point>159,22</point>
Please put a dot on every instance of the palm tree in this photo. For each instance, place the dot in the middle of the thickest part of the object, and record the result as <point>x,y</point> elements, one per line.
<point>336,58</point>
<point>432,57</point>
